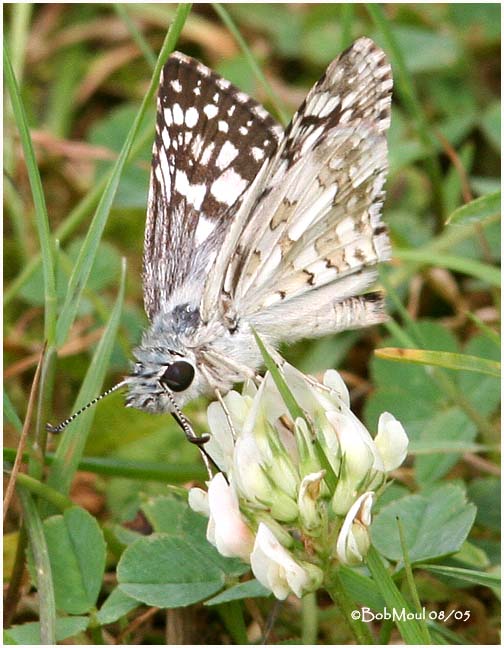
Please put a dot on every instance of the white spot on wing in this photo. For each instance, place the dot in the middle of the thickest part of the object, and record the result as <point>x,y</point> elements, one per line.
<point>191,117</point>
<point>210,110</point>
<point>168,116</point>
<point>176,85</point>
<point>178,114</point>
<point>193,193</point>
<point>257,153</point>
<point>223,126</point>
<point>207,153</point>
<point>226,155</point>
<point>228,187</point>
<point>203,230</point>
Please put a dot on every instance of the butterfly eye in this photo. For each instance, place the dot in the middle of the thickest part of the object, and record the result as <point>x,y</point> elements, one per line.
<point>178,376</point>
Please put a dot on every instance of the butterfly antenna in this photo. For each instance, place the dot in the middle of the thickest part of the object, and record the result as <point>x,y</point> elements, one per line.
<point>57,429</point>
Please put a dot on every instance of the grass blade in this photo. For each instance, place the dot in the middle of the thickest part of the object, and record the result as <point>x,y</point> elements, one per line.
<point>71,446</point>
<point>228,21</point>
<point>40,553</point>
<point>410,629</point>
<point>406,90</point>
<point>89,248</point>
<point>446,359</point>
<point>41,218</point>
<point>477,210</point>
<point>470,267</point>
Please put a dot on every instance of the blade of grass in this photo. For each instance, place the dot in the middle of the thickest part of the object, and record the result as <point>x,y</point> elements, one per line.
<point>295,410</point>
<point>136,34</point>
<point>406,90</point>
<point>45,492</point>
<point>72,443</point>
<point>410,629</point>
<point>347,19</point>
<point>10,412</point>
<point>337,591</point>
<point>75,218</point>
<point>469,575</point>
<point>228,21</point>
<point>448,360</point>
<point>411,583</point>
<point>41,218</point>
<point>470,267</point>
<point>20,22</point>
<point>134,469</point>
<point>477,210</point>
<point>447,240</point>
<point>89,247</point>
<point>485,329</point>
<point>40,553</point>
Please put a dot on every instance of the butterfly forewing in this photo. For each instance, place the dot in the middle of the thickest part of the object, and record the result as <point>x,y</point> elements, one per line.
<point>211,140</point>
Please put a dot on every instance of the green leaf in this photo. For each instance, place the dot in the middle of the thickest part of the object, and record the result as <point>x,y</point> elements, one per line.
<point>445,425</point>
<point>174,517</point>
<point>115,606</point>
<point>249,589</point>
<point>361,588</point>
<point>28,634</point>
<point>457,361</point>
<point>477,210</point>
<point>435,524</point>
<point>77,554</point>
<point>166,572</point>
<point>482,391</point>
<point>485,492</point>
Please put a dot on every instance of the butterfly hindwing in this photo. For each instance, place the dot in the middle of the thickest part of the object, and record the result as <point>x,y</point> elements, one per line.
<point>317,222</point>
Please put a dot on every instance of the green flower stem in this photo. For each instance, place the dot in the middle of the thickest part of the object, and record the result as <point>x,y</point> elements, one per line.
<point>336,590</point>
<point>309,611</point>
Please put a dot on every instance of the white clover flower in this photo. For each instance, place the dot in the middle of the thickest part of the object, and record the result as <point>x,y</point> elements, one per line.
<point>226,529</point>
<point>276,569</point>
<point>292,487</point>
<point>354,540</point>
<point>391,441</point>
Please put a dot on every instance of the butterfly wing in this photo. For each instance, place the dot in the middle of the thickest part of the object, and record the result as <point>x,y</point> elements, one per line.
<point>315,236</point>
<point>211,140</point>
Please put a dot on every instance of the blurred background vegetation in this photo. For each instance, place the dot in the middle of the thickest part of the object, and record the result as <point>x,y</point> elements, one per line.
<point>83,70</point>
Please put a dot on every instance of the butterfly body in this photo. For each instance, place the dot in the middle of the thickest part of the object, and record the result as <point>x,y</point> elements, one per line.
<point>253,228</point>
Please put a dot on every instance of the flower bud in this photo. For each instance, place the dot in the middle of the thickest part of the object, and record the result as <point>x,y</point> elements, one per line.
<point>311,512</point>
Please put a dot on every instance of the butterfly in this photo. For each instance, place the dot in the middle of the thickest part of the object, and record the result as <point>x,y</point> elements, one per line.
<point>251,227</point>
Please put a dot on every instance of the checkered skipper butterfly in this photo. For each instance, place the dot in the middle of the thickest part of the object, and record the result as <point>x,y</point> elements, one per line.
<point>250,227</point>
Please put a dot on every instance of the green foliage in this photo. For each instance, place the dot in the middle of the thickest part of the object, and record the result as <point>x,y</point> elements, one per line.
<point>435,524</point>
<point>77,555</point>
<point>79,124</point>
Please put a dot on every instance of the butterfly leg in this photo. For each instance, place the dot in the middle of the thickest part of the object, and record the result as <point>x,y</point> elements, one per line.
<point>226,413</point>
